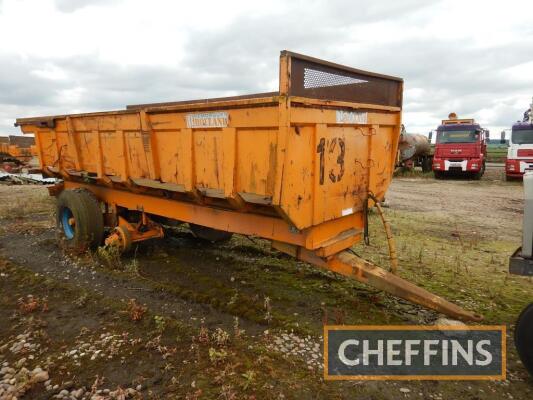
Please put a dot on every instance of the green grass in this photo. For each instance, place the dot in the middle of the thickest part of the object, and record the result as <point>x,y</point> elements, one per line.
<point>457,264</point>
<point>496,153</point>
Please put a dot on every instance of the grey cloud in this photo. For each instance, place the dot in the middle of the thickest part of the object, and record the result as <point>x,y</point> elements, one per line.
<point>19,86</point>
<point>103,86</point>
<point>456,78</point>
<point>242,57</point>
<point>316,27</point>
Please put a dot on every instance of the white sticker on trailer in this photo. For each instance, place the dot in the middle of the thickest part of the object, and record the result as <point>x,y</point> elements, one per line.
<point>347,211</point>
<point>207,120</point>
<point>351,117</point>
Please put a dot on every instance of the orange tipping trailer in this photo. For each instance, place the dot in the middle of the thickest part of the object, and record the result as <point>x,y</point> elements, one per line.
<point>298,167</point>
<point>17,149</point>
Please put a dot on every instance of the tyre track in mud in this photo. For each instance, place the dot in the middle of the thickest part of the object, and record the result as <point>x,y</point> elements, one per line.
<point>40,254</point>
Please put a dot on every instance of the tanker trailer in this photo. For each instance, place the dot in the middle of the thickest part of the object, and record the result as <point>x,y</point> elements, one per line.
<point>414,150</point>
<point>299,167</point>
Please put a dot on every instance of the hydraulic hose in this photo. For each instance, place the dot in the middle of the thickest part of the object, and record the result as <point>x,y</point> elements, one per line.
<point>393,256</point>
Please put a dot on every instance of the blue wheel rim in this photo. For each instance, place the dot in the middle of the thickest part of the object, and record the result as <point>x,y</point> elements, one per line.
<point>68,228</point>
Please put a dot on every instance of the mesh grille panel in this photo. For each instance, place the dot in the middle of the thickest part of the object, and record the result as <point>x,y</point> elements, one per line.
<point>316,79</point>
<point>328,82</point>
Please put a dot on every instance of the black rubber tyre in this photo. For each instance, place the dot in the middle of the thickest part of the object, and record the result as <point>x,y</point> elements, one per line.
<point>438,174</point>
<point>87,228</point>
<point>427,164</point>
<point>209,234</point>
<point>477,175</point>
<point>523,337</point>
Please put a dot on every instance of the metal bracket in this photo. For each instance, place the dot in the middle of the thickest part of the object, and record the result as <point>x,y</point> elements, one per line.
<point>126,233</point>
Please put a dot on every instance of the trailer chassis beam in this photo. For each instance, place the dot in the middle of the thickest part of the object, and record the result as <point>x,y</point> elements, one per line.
<point>342,262</point>
<point>352,266</point>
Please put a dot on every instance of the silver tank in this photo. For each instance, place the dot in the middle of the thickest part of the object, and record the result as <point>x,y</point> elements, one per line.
<point>412,145</point>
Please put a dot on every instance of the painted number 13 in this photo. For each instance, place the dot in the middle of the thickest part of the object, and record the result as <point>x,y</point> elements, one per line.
<point>335,145</point>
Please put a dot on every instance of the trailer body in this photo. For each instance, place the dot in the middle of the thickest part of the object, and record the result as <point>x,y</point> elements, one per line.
<point>300,161</point>
<point>299,166</point>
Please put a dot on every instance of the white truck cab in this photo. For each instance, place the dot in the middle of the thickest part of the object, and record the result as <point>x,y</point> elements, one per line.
<point>520,151</point>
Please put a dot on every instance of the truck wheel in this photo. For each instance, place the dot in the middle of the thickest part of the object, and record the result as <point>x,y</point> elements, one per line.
<point>509,178</point>
<point>426,164</point>
<point>438,174</point>
<point>523,337</point>
<point>80,221</point>
<point>477,175</point>
<point>209,234</point>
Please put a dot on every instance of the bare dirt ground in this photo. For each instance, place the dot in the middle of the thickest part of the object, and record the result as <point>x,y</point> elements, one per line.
<point>183,319</point>
<point>490,207</point>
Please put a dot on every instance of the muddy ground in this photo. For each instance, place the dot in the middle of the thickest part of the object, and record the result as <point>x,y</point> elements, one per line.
<point>179,318</point>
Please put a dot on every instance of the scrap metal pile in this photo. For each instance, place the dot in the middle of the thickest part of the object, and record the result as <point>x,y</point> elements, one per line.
<point>17,153</point>
<point>18,162</point>
<point>24,179</point>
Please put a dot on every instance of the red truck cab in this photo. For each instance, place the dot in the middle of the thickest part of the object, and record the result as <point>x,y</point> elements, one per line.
<point>460,149</point>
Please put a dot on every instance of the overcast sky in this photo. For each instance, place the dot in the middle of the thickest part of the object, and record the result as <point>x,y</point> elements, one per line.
<point>64,56</point>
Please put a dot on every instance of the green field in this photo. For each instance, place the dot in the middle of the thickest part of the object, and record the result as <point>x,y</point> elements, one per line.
<point>496,153</point>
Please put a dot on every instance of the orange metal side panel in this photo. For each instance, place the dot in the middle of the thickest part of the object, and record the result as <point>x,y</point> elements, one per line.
<point>137,158</point>
<point>242,118</point>
<point>208,161</point>
<point>382,153</point>
<point>172,146</point>
<point>341,179</point>
<point>297,186</point>
<point>112,152</point>
<point>331,165</point>
<point>49,148</point>
<point>256,158</point>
